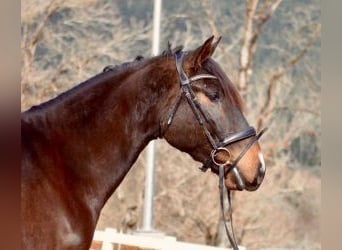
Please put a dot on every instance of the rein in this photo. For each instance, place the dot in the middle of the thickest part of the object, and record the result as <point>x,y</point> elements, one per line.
<point>222,169</point>
<point>222,174</point>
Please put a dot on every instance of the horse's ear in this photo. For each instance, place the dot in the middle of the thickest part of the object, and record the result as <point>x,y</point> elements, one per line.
<point>214,45</point>
<point>202,53</point>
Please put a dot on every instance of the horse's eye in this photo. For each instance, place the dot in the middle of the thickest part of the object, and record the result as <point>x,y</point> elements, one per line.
<point>214,96</point>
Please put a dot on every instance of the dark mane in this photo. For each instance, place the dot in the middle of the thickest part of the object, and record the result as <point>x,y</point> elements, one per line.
<point>123,65</point>
<point>111,71</point>
<point>106,75</point>
<point>169,51</point>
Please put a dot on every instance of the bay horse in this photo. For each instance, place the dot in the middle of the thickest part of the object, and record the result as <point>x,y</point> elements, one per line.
<point>78,147</point>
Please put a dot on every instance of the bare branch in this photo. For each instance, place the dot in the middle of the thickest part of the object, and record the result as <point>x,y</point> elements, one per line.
<point>49,11</point>
<point>297,109</point>
<point>251,34</point>
<point>269,100</point>
<point>245,56</point>
<point>210,18</point>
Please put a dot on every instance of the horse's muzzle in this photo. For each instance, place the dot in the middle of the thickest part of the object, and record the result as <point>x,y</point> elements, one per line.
<point>260,175</point>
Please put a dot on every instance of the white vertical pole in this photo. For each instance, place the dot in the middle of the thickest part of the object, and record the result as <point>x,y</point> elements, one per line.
<point>156,26</point>
<point>151,148</point>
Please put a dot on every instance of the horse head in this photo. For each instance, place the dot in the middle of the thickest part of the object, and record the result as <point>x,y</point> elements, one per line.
<point>203,116</point>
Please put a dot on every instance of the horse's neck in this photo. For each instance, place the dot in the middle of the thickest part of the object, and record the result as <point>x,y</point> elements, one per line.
<point>100,132</point>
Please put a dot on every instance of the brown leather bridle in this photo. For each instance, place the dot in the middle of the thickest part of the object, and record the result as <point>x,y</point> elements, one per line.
<point>222,169</point>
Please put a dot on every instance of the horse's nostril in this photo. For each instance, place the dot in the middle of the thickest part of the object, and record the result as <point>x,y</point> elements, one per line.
<point>260,177</point>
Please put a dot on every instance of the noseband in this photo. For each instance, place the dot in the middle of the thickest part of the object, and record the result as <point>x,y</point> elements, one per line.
<point>222,169</point>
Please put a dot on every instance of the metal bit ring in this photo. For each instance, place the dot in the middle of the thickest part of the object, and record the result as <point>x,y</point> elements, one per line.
<point>215,152</point>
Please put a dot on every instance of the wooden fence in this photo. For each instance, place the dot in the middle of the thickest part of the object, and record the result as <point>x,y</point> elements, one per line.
<point>110,239</point>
